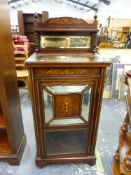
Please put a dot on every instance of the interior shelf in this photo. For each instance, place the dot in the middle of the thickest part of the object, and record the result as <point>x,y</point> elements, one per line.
<point>2,122</point>
<point>2,119</point>
<point>4,144</point>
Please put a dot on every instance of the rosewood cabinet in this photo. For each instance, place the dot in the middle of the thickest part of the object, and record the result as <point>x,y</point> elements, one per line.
<point>66,82</point>
<point>66,96</point>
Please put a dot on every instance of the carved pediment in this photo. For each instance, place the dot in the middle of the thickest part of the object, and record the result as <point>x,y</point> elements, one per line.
<point>66,21</point>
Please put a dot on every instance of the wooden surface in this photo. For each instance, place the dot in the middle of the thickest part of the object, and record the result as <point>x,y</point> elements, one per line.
<point>45,16</point>
<point>66,24</point>
<point>4,144</point>
<point>2,122</point>
<point>69,59</point>
<point>12,137</point>
<point>26,24</point>
<point>21,70</point>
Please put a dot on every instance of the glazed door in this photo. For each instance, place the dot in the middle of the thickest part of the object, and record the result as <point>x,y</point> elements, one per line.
<point>66,112</point>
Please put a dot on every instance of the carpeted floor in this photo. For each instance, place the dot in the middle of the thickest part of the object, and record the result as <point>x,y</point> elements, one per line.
<point>112,115</point>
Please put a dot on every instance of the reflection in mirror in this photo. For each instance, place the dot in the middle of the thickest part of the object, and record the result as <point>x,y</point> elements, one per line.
<point>66,142</point>
<point>48,102</point>
<point>86,104</point>
<point>65,42</point>
<point>63,122</point>
<point>66,105</point>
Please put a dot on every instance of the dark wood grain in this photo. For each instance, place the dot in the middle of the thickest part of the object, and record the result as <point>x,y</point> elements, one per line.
<point>12,137</point>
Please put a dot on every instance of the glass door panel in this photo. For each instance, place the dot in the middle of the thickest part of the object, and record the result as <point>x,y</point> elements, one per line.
<point>65,142</point>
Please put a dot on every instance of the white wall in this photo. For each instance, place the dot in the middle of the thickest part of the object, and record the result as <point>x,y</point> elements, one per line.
<point>117,9</point>
<point>54,8</point>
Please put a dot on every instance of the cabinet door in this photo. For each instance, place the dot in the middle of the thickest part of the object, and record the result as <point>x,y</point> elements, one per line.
<point>65,114</point>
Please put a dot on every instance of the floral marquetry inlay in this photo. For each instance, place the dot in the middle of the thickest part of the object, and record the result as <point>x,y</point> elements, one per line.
<point>64,105</point>
<point>67,71</point>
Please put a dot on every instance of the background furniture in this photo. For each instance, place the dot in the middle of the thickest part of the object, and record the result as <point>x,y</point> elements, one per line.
<point>21,52</point>
<point>122,159</point>
<point>21,70</point>
<point>12,136</point>
<point>66,89</point>
<point>26,25</point>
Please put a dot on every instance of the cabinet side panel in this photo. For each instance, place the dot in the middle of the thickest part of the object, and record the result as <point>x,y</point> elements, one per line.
<point>12,110</point>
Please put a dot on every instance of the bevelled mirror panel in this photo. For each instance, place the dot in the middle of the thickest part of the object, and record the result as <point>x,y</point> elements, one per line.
<point>66,105</point>
<point>48,104</point>
<point>86,104</point>
<point>54,42</point>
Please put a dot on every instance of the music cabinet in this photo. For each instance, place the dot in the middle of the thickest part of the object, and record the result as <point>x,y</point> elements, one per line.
<point>66,82</point>
<point>12,136</point>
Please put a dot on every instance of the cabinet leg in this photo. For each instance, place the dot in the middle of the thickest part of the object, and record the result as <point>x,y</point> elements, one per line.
<point>40,162</point>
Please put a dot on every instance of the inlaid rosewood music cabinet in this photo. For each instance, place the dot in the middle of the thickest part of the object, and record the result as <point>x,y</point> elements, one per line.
<point>66,82</point>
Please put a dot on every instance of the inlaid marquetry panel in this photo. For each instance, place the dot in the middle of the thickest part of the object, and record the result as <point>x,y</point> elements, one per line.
<point>64,106</point>
<point>66,71</point>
